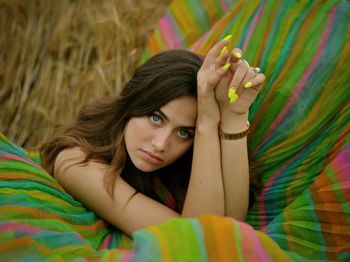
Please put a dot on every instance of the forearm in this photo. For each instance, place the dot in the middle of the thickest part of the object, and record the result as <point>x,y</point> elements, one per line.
<point>235,167</point>
<point>205,193</point>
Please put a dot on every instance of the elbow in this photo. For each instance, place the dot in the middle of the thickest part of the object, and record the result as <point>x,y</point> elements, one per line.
<point>238,213</point>
<point>237,216</point>
<point>241,217</point>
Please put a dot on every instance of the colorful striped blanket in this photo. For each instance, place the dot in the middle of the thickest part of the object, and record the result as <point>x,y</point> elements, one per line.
<point>299,144</point>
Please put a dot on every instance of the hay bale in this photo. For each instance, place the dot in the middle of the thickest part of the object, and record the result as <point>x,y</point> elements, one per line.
<point>57,55</point>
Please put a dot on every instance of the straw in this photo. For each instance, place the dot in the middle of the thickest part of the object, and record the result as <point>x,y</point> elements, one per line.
<point>56,56</point>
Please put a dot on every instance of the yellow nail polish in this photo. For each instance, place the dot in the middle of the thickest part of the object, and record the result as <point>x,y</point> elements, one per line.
<point>231,92</point>
<point>233,98</point>
<point>226,66</point>
<point>248,84</point>
<point>222,51</point>
<point>228,37</point>
<point>238,55</point>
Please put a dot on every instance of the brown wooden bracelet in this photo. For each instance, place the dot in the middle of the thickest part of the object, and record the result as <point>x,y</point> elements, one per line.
<point>236,136</point>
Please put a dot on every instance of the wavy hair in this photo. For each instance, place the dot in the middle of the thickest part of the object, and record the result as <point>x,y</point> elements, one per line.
<point>99,128</point>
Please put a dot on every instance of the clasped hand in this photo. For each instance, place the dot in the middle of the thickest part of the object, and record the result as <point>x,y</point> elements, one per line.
<point>227,84</point>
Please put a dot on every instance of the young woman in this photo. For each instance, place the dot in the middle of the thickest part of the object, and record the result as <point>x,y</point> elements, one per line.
<point>173,143</point>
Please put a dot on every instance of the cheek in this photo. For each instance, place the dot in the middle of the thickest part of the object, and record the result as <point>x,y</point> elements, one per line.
<point>181,149</point>
<point>133,131</point>
<point>136,126</point>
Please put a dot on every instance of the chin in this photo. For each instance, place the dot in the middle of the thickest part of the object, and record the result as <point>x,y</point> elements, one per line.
<point>145,167</point>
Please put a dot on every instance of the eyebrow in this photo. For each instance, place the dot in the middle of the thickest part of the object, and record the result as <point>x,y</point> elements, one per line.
<point>167,119</point>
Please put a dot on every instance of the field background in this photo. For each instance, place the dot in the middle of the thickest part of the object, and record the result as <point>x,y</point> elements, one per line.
<point>57,55</point>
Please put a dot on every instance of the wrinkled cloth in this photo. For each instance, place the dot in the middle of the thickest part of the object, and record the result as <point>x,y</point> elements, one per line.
<point>299,145</point>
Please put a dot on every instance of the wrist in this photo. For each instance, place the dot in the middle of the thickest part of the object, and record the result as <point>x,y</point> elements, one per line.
<point>234,136</point>
<point>204,126</point>
<point>205,122</point>
<point>233,123</point>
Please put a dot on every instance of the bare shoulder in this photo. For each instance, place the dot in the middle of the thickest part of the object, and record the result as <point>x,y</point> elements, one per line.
<point>72,157</point>
<point>68,156</point>
<point>85,182</point>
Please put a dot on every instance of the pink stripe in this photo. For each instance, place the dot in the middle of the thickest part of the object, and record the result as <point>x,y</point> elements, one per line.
<point>223,5</point>
<point>106,241</point>
<point>271,180</point>
<point>168,33</point>
<point>127,256</point>
<point>253,26</point>
<point>268,186</point>
<point>251,240</point>
<point>199,42</point>
<point>341,165</point>
<point>13,226</point>
<point>301,83</point>
<point>27,160</point>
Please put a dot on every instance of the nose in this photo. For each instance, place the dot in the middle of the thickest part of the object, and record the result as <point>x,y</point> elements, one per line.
<point>161,140</point>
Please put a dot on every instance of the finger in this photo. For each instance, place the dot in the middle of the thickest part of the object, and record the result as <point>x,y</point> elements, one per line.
<point>235,89</point>
<point>215,50</point>
<point>223,56</point>
<point>214,79</point>
<point>235,55</point>
<point>239,75</point>
<point>235,58</point>
<point>221,60</point>
<point>250,74</point>
<point>256,82</point>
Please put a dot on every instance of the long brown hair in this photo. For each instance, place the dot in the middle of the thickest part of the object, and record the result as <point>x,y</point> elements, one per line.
<point>99,128</point>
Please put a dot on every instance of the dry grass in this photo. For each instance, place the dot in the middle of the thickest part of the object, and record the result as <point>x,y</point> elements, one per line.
<point>57,55</point>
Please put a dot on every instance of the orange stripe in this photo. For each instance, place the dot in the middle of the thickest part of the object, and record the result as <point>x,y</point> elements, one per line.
<point>209,237</point>
<point>36,213</point>
<point>225,240</point>
<point>164,247</point>
<point>219,239</point>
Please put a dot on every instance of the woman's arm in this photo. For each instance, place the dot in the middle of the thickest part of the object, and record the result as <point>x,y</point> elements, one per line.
<point>205,193</point>
<point>233,120</point>
<point>125,210</point>
<point>235,167</point>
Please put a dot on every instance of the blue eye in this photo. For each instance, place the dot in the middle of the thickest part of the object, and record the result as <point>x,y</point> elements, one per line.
<point>155,119</point>
<point>185,134</point>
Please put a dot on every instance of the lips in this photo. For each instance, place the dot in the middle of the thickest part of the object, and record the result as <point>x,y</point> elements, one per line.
<point>151,158</point>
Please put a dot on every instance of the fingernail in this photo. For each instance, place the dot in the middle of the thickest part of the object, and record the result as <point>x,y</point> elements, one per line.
<point>228,37</point>
<point>233,98</point>
<point>222,51</point>
<point>232,95</point>
<point>226,66</point>
<point>238,55</point>
<point>248,84</point>
<point>231,92</point>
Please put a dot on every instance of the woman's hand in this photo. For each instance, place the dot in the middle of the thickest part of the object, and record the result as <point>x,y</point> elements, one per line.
<point>239,87</point>
<point>213,68</point>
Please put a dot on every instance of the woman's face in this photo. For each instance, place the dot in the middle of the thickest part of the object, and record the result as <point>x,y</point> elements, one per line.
<point>157,140</point>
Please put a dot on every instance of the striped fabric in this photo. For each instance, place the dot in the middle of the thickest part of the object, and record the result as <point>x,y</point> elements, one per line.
<point>39,221</point>
<point>299,144</point>
<point>300,120</point>
<point>317,223</point>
